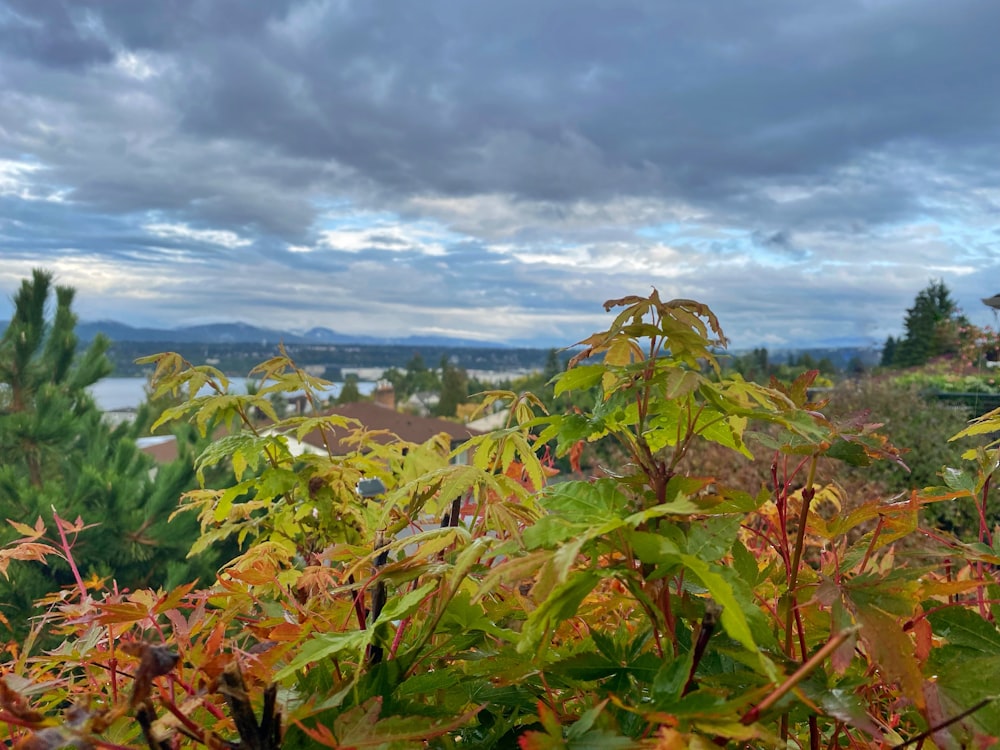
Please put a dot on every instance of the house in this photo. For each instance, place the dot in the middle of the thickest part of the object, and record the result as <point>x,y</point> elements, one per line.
<point>375,417</point>
<point>495,421</point>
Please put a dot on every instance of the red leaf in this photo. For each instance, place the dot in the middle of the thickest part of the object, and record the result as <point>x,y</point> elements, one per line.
<point>892,650</point>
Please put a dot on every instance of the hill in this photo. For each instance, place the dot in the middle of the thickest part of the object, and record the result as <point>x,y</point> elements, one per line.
<point>243,333</point>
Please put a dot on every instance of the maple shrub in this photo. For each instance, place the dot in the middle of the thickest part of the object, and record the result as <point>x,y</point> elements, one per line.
<point>391,595</point>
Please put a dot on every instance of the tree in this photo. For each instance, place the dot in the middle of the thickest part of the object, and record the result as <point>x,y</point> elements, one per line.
<point>349,393</point>
<point>889,352</point>
<point>553,365</point>
<point>56,453</point>
<point>856,366</point>
<point>932,327</point>
<point>418,378</point>
<point>454,388</point>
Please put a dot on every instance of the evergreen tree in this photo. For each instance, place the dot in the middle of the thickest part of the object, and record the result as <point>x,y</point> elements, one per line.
<point>349,392</point>
<point>826,366</point>
<point>932,327</point>
<point>454,389</point>
<point>888,352</point>
<point>553,366</point>
<point>856,366</point>
<point>57,452</point>
<point>418,378</point>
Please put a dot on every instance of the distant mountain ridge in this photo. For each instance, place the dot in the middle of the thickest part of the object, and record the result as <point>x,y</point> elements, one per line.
<point>840,351</point>
<point>244,333</point>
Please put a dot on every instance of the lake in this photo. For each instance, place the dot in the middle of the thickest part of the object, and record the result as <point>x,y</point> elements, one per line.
<point>114,394</point>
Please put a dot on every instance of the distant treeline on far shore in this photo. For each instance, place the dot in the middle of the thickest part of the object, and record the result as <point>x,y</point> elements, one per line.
<point>238,358</point>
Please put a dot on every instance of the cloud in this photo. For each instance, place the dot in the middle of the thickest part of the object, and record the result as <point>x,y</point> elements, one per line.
<point>221,237</point>
<point>530,157</point>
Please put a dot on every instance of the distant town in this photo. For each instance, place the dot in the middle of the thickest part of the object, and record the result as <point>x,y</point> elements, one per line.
<point>236,348</point>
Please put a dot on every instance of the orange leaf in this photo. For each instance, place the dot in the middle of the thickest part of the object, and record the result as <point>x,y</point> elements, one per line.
<point>320,733</point>
<point>924,636</point>
<point>119,613</point>
<point>892,650</point>
<point>30,551</point>
<point>285,631</point>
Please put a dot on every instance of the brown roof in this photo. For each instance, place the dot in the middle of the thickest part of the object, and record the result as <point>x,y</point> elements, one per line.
<point>408,427</point>
<point>163,448</point>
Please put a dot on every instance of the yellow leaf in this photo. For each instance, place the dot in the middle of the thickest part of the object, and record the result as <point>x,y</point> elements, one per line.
<point>29,532</point>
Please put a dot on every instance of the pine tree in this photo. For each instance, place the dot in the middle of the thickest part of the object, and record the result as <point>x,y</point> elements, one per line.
<point>56,452</point>
<point>454,389</point>
<point>888,352</point>
<point>349,392</point>
<point>931,327</point>
<point>553,365</point>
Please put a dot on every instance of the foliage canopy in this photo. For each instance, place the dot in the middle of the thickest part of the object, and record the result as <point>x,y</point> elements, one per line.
<point>56,452</point>
<point>476,604</point>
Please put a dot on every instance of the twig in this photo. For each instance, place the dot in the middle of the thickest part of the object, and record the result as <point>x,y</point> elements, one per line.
<point>69,553</point>
<point>263,736</point>
<point>808,666</point>
<point>927,733</point>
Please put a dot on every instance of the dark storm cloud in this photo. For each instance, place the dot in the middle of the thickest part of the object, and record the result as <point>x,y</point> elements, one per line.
<point>543,138</point>
<point>554,100</point>
<point>57,34</point>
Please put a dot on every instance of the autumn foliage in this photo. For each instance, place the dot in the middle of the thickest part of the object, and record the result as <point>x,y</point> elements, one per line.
<point>480,602</point>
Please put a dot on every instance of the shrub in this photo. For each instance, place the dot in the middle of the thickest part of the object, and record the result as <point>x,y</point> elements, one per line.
<point>649,608</point>
<point>921,427</point>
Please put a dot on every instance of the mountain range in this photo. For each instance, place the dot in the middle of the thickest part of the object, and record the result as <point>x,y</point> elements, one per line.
<point>243,333</point>
<point>840,352</point>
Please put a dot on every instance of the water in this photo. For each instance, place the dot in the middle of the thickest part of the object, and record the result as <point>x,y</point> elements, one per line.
<point>116,394</point>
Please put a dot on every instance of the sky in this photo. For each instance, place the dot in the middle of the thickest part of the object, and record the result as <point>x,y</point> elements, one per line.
<point>497,170</point>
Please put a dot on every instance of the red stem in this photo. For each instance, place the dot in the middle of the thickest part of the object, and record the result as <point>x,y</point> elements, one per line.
<point>807,666</point>
<point>398,638</point>
<point>69,554</point>
<point>984,528</point>
<point>113,665</point>
<point>871,545</point>
<point>984,535</point>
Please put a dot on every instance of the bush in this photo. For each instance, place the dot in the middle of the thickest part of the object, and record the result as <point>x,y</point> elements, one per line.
<point>921,427</point>
<point>651,608</point>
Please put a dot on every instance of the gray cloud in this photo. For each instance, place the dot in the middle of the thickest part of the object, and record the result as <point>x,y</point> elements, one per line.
<point>546,154</point>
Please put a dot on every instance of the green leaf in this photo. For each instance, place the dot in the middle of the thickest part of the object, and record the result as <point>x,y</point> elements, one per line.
<point>550,531</point>
<point>845,706</point>
<point>963,683</point>
<point>965,628</point>
<point>462,616</point>
<point>711,538</point>
<point>585,667</point>
<point>585,502</point>
<point>671,679</point>
<point>733,620</point>
<point>560,604</point>
<point>957,479</point>
<point>600,739</point>
<point>399,607</point>
<point>426,683</point>
<point>581,377</point>
<point>586,721</point>
<point>849,452</point>
<point>745,564</point>
<point>651,548</point>
<point>324,646</point>
<point>681,382</point>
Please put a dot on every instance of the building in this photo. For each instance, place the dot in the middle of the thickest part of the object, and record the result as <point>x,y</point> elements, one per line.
<point>386,423</point>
